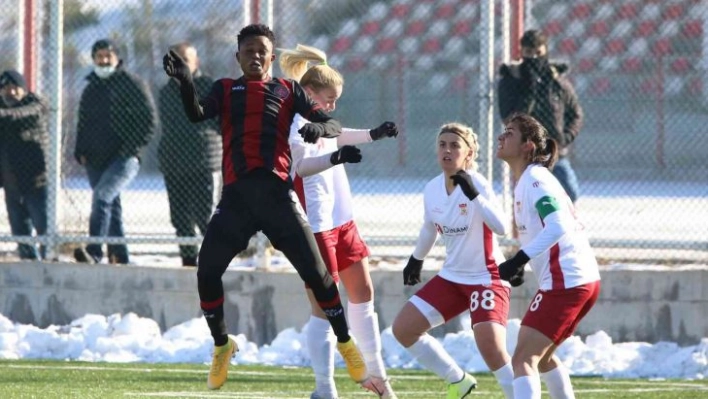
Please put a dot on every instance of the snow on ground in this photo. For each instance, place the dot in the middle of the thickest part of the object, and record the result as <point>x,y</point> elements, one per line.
<point>130,338</point>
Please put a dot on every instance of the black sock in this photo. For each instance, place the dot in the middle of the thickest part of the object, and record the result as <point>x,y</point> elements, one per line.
<point>335,314</point>
<point>217,325</point>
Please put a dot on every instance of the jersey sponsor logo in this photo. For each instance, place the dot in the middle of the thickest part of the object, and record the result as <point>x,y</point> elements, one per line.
<point>451,231</point>
<point>463,209</point>
<point>239,87</point>
<point>281,92</point>
<point>536,184</point>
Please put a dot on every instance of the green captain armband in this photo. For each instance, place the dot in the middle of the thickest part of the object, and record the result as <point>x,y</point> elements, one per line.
<point>547,205</point>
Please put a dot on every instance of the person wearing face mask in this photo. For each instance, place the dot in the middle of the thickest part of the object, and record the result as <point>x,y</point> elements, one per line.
<point>190,156</point>
<point>538,87</point>
<point>116,120</point>
<point>23,147</point>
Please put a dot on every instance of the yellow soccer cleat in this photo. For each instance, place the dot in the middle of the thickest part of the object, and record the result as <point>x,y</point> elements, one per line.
<point>353,360</point>
<point>220,364</point>
<point>461,389</point>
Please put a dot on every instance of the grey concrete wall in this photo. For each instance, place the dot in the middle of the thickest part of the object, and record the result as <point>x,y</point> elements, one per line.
<point>634,305</point>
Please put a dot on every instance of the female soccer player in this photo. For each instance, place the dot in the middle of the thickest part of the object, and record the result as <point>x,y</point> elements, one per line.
<point>255,112</point>
<point>322,185</point>
<point>460,206</point>
<point>554,243</point>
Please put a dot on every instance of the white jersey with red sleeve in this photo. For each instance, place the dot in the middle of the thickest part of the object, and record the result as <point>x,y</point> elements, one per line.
<point>323,188</point>
<point>550,232</point>
<point>467,229</point>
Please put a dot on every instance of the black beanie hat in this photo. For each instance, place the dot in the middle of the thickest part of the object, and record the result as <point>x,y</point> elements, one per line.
<point>11,76</point>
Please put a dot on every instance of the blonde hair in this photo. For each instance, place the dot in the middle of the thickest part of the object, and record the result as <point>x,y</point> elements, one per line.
<point>468,136</point>
<point>295,62</point>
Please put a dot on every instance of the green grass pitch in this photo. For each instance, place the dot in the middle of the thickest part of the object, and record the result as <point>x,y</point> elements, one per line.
<point>55,379</point>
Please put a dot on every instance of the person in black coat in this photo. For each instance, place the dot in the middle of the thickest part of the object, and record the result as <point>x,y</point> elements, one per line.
<point>538,87</point>
<point>116,120</point>
<point>190,156</point>
<point>23,144</point>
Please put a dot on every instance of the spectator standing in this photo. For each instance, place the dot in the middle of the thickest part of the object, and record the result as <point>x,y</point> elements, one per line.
<point>554,243</point>
<point>189,155</point>
<point>23,145</point>
<point>116,121</point>
<point>460,206</point>
<point>323,188</point>
<point>539,88</point>
<point>255,113</point>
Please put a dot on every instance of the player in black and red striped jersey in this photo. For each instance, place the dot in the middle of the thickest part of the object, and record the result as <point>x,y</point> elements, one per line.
<point>255,112</point>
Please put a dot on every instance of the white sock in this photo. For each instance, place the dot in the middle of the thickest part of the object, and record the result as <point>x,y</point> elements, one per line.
<point>321,343</point>
<point>527,387</point>
<point>364,325</point>
<point>430,353</point>
<point>558,383</point>
<point>505,378</point>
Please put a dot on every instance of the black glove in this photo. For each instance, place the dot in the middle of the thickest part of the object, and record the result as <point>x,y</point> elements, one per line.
<point>517,279</point>
<point>513,267</point>
<point>411,273</point>
<point>311,132</point>
<point>175,66</point>
<point>464,180</point>
<point>346,154</point>
<point>387,129</point>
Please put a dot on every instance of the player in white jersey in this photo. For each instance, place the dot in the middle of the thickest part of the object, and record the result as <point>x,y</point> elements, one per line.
<point>323,188</point>
<point>460,207</point>
<point>553,241</point>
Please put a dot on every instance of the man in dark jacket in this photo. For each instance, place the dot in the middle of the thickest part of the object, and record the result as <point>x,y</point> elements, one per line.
<point>539,88</point>
<point>190,157</point>
<point>116,121</point>
<point>23,145</point>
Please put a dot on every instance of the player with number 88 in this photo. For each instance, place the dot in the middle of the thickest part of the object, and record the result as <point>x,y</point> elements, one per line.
<point>461,208</point>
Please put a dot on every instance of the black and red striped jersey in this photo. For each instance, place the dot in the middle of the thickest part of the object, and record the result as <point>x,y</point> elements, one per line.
<point>255,119</point>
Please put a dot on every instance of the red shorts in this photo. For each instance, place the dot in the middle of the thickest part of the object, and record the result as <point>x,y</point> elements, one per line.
<point>441,300</point>
<point>341,247</point>
<point>556,313</point>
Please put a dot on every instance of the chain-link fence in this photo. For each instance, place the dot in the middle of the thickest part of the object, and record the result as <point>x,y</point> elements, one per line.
<point>636,67</point>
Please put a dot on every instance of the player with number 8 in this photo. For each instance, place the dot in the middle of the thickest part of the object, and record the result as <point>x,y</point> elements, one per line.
<point>555,246</point>
<point>461,208</point>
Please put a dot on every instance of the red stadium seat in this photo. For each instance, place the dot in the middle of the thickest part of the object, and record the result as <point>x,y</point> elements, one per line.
<point>599,28</point>
<point>370,28</point>
<point>581,11</point>
<point>341,44</point>
<point>661,47</point>
<point>445,11</point>
<point>416,28</point>
<point>386,45</point>
<point>355,64</point>
<point>400,10</point>
<point>615,46</point>
<point>649,86</point>
<point>692,28</point>
<point>628,11</point>
<point>431,45</point>
<point>586,65</point>
<point>681,65</point>
<point>567,46</point>
<point>673,11</point>
<point>462,28</point>
<point>601,85</point>
<point>553,28</point>
<point>632,65</point>
<point>695,86</point>
<point>646,28</point>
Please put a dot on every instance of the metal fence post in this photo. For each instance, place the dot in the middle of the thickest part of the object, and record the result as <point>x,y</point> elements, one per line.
<point>56,38</point>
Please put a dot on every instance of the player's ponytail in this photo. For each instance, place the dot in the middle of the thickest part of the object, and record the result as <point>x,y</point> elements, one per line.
<point>545,149</point>
<point>295,65</point>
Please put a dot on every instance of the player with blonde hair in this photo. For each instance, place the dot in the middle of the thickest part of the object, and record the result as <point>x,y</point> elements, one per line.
<point>323,188</point>
<point>461,208</point>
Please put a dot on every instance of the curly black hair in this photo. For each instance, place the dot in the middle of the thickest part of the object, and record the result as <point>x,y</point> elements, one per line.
<point>255,30</point>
